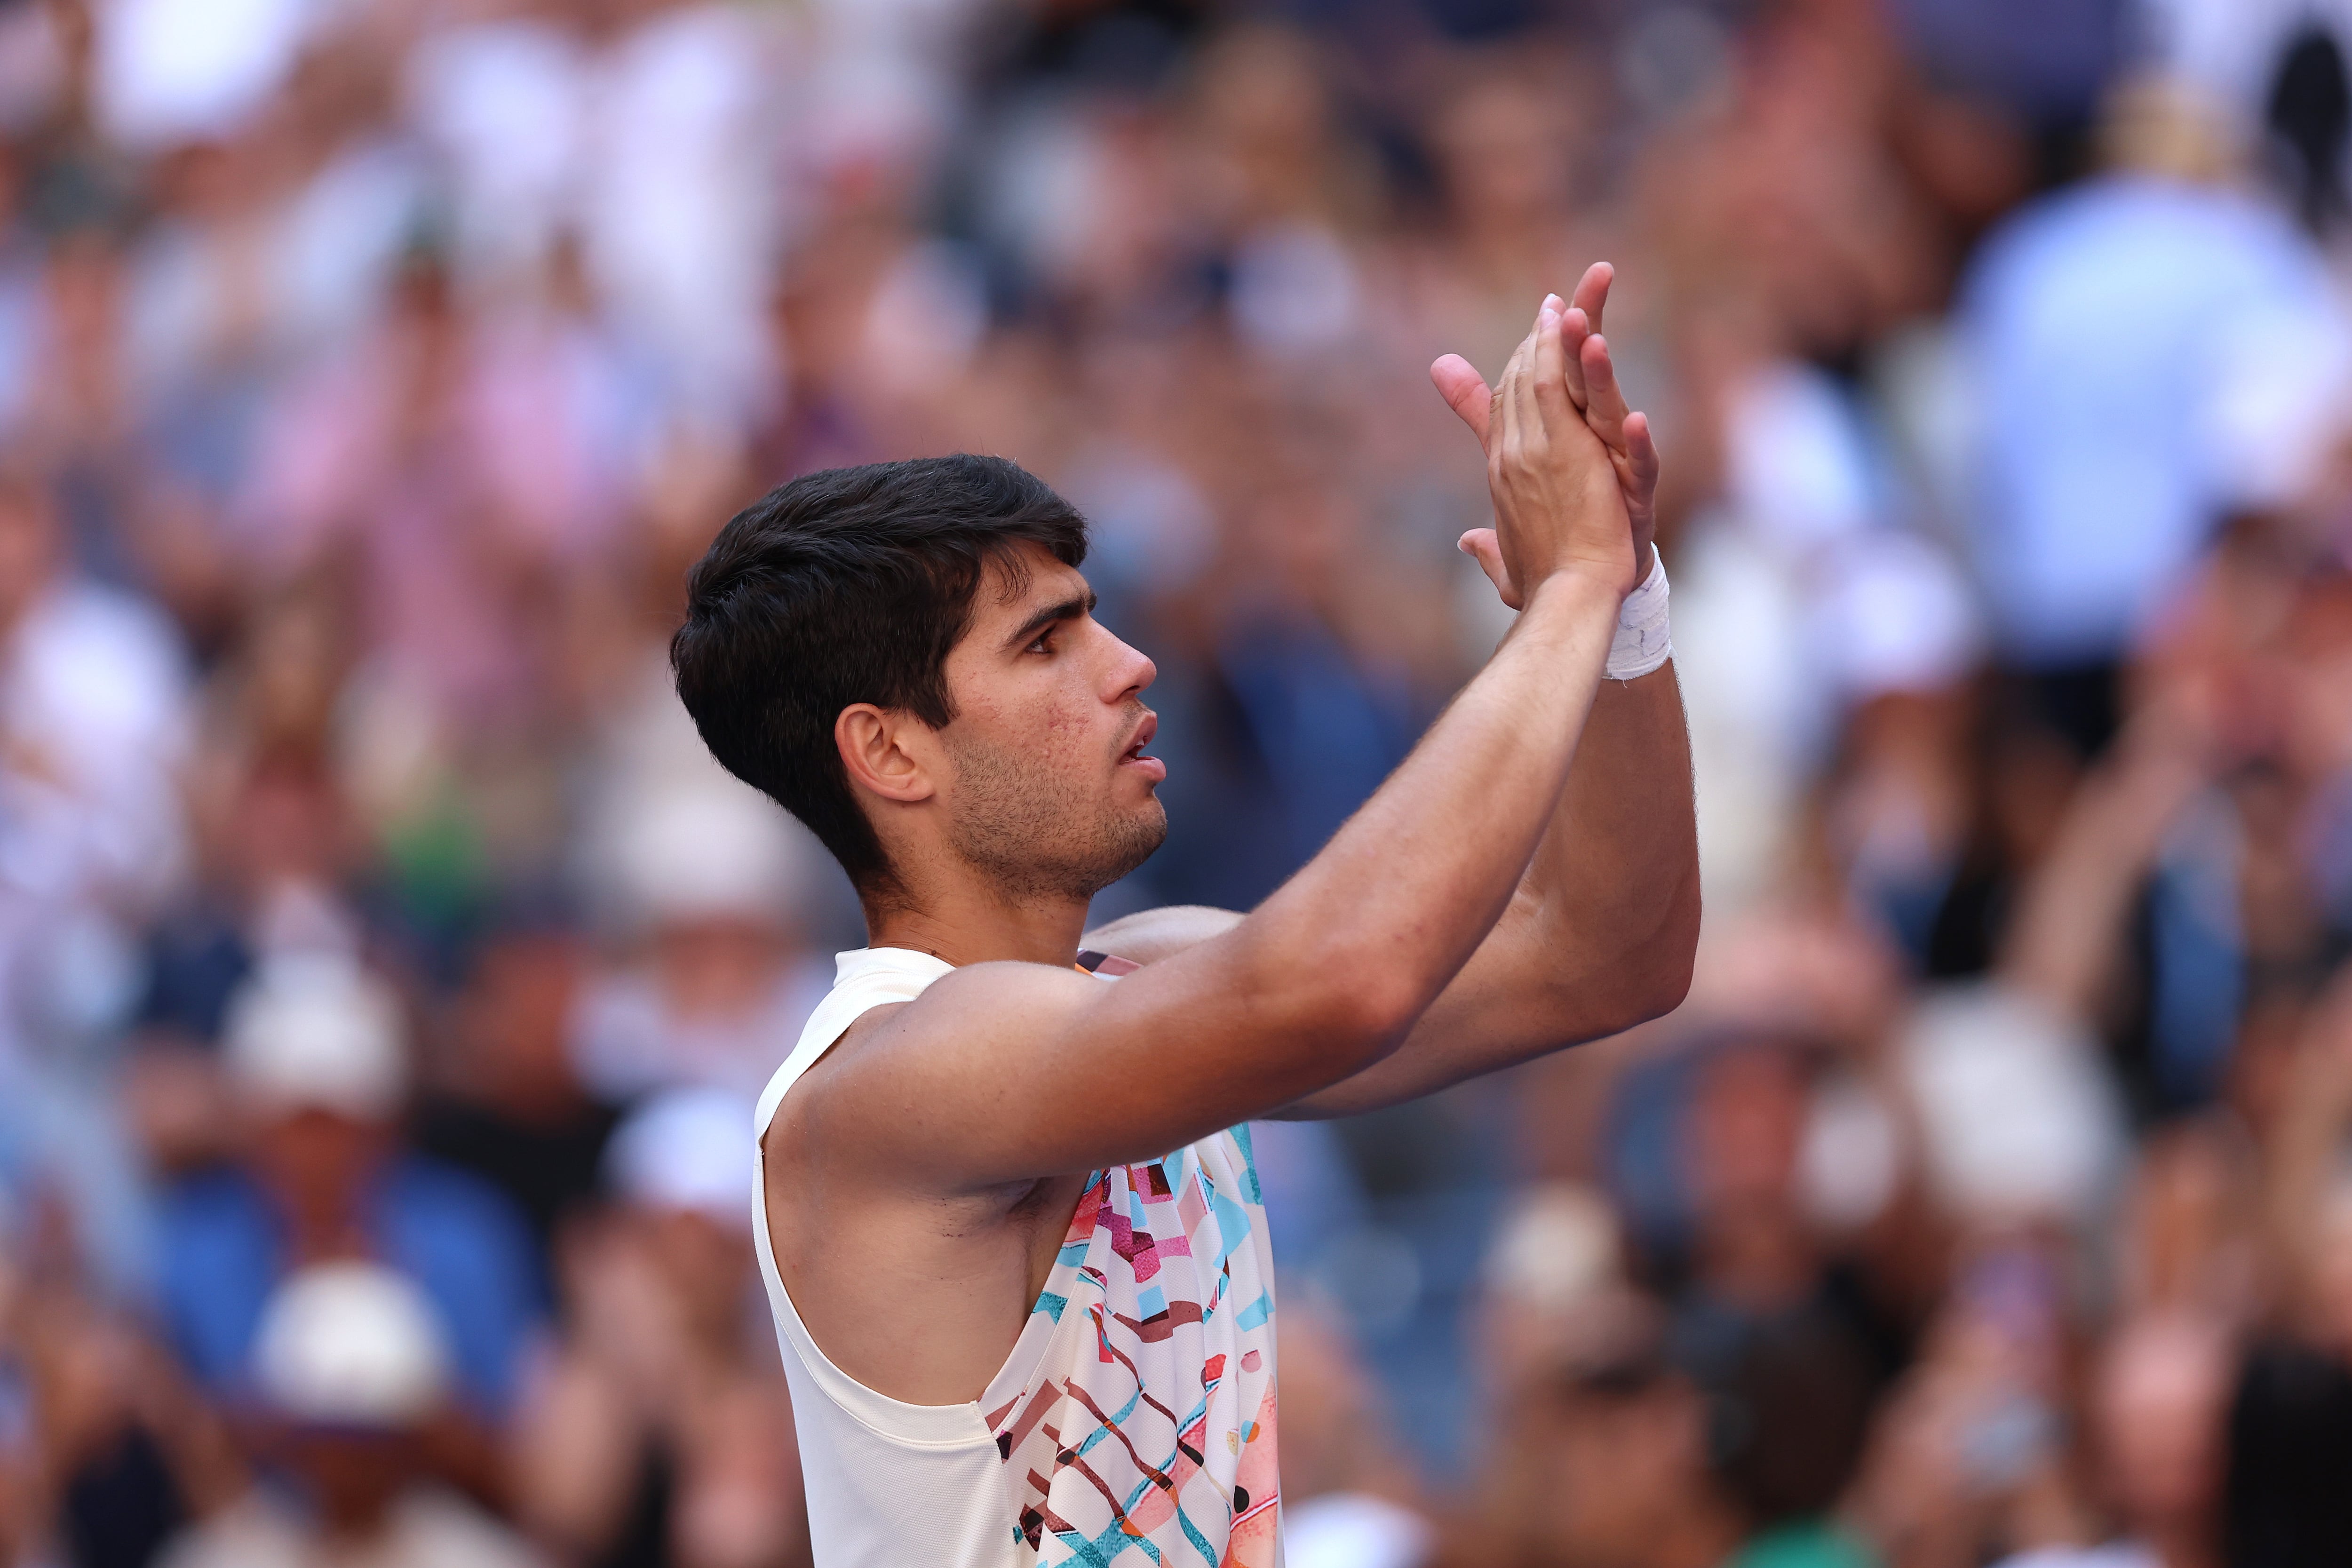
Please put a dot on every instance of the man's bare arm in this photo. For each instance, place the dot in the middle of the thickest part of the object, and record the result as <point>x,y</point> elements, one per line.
<point>1001,1072</point>
<point>1599,937</point>
<point>1601,934</point>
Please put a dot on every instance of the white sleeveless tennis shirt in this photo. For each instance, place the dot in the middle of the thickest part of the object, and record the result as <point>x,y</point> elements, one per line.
<point>1133,1423</point>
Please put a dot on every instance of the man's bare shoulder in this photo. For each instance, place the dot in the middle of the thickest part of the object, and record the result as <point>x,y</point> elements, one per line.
<point>1005,1071</point>
<point>905,1079</point>
<point>979,1006</point>
<point>1007,995</point>
<point>968,1010</point>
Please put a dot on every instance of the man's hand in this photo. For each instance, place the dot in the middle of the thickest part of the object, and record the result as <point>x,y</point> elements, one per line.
<point>1558,506</point>
<point>1592,387</point>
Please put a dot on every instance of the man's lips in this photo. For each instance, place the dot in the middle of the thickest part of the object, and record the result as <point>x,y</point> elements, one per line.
<point>1133,756</point>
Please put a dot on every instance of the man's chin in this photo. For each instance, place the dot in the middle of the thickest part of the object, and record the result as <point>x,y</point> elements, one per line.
<point>1138,836</point>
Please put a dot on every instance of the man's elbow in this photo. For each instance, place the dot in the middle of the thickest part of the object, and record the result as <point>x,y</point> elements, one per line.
<point>1669,962</point>
<point>1338,1013</point>
<point>1648,977</point>
<point>1666,960</point>
<point>1374,1010</point>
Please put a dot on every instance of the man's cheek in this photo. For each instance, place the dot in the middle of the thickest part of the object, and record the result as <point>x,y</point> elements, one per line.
<point>1065,730</point>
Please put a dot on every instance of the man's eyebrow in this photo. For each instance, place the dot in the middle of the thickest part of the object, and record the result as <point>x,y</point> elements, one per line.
<point>1067,609</point>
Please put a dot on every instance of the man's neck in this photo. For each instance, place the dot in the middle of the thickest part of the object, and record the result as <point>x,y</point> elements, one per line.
<point>977,927</point>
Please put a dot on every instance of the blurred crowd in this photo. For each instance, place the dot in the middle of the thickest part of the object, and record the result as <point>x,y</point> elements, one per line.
<point>385,971</point>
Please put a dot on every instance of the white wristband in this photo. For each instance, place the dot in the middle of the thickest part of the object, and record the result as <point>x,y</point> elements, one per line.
<point>1644,641</point>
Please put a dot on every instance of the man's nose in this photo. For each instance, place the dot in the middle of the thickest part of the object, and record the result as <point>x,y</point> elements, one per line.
<point>1137,672</point>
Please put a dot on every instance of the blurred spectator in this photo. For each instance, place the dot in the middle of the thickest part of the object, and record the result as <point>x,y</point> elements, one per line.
<point>113,1450</point>
<point>351,1367</point>
<point>1965,1458</point>
<point>712,874</point>
<point>2050,68</point>
<point>91,692</point>
<point>643,132</point>
<point>1793,1412</point>
<point>454,490</point>
<point>276,844</point>
<point>2290,1424</point>
<point>1602,1454</point>
<point>92,682</point>
<point>2157,352</point>
<point>679,207</point>
<point>2278,69</point>
<point>168,73</point>
<point>2019,1122</point>
<point>2157,1404</point>
<point>1347,1494</point>
<point>1781,1343</point>
<point>500,101</point>
<point>661,1431</point>
<point>316,1058</point>
<point>514,1111</point>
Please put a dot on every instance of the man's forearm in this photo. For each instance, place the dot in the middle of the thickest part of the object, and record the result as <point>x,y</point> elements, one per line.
<point>1409,888</point>
<point>1601,932</point>
<point>1616,876</point>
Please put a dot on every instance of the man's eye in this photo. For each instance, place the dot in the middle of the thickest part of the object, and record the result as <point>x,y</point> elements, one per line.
<point>1045,643</point>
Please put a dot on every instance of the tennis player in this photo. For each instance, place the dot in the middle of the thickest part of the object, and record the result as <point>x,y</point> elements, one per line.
<point>1008,1217</point>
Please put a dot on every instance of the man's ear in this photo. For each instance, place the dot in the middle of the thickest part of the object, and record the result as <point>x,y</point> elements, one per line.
<point>875,748</point>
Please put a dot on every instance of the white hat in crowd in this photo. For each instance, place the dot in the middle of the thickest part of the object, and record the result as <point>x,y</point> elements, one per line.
<point>687,1148</point>
<point>351,1345</point>
<point>167,73</point>
<point>1893,613</point>
<point>2021,1121</point>
<point>316,1031</point>
<point>715,850</point>
<point>1557,1246</point>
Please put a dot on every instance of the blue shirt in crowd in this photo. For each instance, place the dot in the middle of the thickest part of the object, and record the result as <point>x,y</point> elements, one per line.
<point>223,1252</point>
<point>2149,353</point>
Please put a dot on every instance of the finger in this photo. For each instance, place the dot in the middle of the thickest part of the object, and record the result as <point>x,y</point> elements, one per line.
<point>1576,328</point>
<point>1604,406</point>
<point>1511,394</point>
<point>1584,313</point>
<point>1549,373</point>
<point>1592,291</point>
<point>1527,407</point>
<point>1642,449</point>
<point>1465,390</point>
<point>1482,545</point>
<point>1638,479</point>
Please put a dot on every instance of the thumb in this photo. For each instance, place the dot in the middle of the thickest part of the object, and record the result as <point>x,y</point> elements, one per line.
<point>1483,545</point>
<point>1465,390</point>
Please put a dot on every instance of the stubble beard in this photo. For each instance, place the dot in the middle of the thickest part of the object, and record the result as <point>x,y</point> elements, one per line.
<point>1035,835</point>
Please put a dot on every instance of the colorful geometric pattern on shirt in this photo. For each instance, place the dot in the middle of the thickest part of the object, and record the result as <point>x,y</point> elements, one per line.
<point>1146,1434</point>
